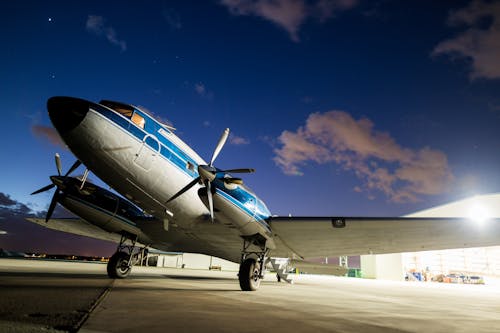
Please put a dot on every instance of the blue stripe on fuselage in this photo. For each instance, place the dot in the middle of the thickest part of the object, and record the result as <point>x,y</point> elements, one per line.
<point>178,157</point>
<point>167,148</point>
<point>253,215</point>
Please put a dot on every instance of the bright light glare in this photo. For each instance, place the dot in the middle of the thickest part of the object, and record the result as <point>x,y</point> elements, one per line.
<point>3,232</point>
<point>478,213</point>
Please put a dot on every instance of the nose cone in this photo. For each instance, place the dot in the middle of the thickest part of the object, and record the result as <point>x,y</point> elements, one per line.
<point>66,113</point>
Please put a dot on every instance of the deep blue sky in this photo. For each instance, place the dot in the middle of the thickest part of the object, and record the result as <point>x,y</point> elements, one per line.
<point>403,98</point>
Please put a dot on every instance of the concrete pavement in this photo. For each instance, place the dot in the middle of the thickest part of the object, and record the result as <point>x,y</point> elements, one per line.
<point>159,300</point>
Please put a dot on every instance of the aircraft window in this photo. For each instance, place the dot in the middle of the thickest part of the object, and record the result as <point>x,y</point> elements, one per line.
<point>103,201</point>
<point>190,166</point>
<point>125,112</point>
<point>123,109</point>
<point>138,120</point>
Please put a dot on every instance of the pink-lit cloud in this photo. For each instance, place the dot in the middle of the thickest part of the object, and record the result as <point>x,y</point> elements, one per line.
<point>238,140</point>
<point>48,133</point>
<point>288,14</point>
<point>402,174</point>
<point>478,44</point>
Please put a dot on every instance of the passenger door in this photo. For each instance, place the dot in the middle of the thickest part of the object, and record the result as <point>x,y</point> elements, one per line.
<point>147,154</point>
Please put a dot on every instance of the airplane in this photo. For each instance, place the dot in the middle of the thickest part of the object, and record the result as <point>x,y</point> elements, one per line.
<point>173,200</point>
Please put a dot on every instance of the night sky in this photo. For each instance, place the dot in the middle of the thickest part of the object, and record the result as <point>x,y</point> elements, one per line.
<point>344,107</point>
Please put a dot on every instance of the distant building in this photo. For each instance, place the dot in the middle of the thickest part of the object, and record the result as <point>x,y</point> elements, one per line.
<point>158,258</point>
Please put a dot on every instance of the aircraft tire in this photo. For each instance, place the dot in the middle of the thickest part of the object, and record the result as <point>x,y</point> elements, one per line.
<point>118,266</point>
<point>249,275</point>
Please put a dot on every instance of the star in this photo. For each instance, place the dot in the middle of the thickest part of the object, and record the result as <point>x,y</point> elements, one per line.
<point>50,19</point>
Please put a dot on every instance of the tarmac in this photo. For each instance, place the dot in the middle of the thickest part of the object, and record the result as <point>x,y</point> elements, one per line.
<point>55,296</point>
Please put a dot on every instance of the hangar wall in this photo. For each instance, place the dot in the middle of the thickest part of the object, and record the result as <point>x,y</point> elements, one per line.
<point>189,261</point>
<point>477,260</point>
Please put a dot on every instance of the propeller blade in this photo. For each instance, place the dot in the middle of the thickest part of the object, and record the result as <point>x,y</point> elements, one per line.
<point>52,205</point>
<point>73,167</point>
<point>237,181</point>
<point>43,189</point>
<point>184,189</point>
<point>238,171</point>
<point>219,146</point>
<point>58,164</point>
<point>210,200</point>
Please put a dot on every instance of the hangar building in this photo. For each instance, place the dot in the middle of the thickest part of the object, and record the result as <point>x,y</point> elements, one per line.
<point>485,261</point>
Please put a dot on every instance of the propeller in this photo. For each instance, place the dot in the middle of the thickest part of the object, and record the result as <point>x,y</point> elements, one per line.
<point>56,181</point>
<point>208,173</point>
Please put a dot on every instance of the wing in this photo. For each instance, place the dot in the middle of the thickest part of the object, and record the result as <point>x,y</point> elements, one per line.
<point>335,236</point>
<point>77,226</point>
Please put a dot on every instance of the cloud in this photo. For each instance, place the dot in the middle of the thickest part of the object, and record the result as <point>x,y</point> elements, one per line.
<point>479,43</point>
<point>202,90</point>
<point>8,206</point>
<point>97,25</point>
<point>288,14</point>
<point>401,174</point>
<point>5,200</point>
<point>48,133</point>
<point>21,235</point>
<point>238,140</point>
<point>172,18</point>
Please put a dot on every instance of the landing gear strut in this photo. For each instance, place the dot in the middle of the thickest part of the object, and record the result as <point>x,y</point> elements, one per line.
<point>252,264</point>
<point>120,263</point>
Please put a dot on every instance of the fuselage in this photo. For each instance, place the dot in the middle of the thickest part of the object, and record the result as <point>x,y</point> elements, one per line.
<point>147,163</point>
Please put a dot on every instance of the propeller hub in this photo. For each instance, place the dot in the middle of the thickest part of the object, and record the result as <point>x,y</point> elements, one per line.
<point>57,180</point>
<point>207,172</point>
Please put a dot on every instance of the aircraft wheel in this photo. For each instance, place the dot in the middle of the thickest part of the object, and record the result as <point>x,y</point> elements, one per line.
<point>118,267</point>
<point>249,275</point>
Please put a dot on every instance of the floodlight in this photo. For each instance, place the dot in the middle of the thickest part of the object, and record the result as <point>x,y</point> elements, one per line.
<point>478,213</point>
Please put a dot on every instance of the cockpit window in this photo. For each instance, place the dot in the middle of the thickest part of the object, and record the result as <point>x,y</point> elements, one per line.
<point>138,120</point>
<point>127,113</point>
<point>124,109</point>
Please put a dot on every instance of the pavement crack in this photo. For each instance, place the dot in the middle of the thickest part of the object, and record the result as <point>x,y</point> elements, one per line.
<point>86,314</point>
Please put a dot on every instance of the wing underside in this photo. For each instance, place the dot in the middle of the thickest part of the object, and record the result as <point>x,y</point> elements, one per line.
<point>206,238</point>
<point>77,226</point>
<point>334,236</point>
<point>305,237</point>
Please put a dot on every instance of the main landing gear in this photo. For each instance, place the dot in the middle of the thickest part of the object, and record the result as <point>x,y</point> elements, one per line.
<point>120,264</point>
<point>252,264</point>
